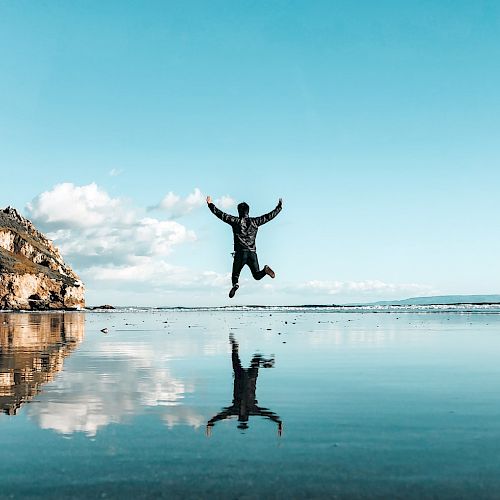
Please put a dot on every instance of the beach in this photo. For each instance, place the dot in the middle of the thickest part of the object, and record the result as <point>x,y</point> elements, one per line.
<point>371,405</point>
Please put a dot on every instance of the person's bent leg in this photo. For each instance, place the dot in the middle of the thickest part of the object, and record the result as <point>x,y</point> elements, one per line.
<point>253,264</point>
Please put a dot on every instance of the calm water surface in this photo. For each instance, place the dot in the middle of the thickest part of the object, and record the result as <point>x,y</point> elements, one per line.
<point>250,405</point>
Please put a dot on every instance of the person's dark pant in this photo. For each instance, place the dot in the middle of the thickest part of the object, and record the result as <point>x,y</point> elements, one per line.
<point>249,258</point>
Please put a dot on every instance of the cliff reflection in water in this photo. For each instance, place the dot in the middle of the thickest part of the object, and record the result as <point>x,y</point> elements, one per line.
<point>32,352</point>
<point>245,404</point>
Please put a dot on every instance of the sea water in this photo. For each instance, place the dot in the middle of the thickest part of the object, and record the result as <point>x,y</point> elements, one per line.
<point>251,403</point>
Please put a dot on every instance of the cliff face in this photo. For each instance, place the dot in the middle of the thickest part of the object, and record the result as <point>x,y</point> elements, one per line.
<point>33,274</point>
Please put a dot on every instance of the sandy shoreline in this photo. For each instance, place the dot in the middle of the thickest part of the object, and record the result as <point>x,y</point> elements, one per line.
<point>371,405</point>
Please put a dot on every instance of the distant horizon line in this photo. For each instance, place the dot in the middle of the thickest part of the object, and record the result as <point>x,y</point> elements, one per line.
<point>473,299</point>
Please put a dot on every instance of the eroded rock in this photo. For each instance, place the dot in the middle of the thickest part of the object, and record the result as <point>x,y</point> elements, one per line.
<point>33,275</point>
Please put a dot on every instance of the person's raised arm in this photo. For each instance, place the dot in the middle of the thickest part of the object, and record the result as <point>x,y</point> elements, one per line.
<point>223,415</point>
<point>265,412</point>
<point>271,215</point>
<point>228,219</point>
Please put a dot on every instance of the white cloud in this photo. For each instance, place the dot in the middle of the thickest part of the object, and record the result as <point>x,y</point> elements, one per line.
<point>160,274</point>
<point>115,172</point>
<point>170,201</point>
<point>70,206</point>
<point>177,206</point>
<point>104,237</point>
<point>225,202</point>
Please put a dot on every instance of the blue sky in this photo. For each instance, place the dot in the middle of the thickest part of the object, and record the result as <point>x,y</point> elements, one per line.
<point>377,122</point>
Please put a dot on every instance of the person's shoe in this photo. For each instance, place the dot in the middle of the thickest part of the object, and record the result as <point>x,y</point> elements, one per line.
<point>233,290</point>
<point>269,271</point>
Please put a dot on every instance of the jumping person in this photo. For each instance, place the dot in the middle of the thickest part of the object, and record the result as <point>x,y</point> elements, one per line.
<point>245,231</point>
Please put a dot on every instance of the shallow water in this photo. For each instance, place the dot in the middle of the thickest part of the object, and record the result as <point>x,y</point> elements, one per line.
<point>250,404</point>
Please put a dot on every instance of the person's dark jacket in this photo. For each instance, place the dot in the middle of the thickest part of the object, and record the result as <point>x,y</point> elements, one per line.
<point>244,227</point>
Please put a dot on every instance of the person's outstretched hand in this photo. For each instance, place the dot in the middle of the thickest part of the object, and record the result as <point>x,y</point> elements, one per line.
<point>209,200</point>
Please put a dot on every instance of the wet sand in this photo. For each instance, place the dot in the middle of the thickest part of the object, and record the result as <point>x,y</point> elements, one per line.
<point>401,405</point>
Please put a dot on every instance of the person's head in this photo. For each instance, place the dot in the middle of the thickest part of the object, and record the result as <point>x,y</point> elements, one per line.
<point>243,209</point>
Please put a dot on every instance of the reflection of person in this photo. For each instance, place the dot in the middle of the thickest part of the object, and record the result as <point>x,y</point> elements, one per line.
<point>244,232</point>
<point>244,402</point>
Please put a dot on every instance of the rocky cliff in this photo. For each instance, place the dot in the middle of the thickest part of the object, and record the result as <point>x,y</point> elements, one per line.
<point>33,274</point>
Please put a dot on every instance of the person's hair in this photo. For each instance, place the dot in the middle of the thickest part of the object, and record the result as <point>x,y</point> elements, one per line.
<point>243,209</point>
